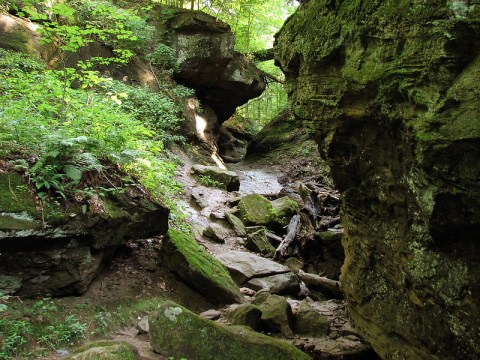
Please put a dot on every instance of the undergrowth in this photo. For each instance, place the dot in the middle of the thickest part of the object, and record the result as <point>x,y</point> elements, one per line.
<point>55,135</point>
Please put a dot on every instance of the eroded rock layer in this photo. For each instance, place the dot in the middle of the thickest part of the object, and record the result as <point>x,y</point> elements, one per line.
<point>391,91</point>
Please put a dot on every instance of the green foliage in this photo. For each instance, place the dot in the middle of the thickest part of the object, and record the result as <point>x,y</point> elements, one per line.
<point>64,164</point>
<point>71,130</point>
<point>163,57</point>
<point>40,324</point>
<point>206,180</point>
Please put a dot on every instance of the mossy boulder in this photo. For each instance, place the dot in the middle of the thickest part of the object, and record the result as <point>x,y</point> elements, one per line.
<point>198,269</point>
<point>277,315</point>
<point>255,209</point>
<point>214,176</point>
<point>62,251</point>
<point>258,242</point>
<point>308,321</point>
<point>246,314</point>
<point>393,105</point>
<point>104,350</point>
<point>237,224</point>
<point>285,208</point>
<point>177,332</point>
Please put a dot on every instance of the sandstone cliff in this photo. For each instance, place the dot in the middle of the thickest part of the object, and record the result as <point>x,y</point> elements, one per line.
<point>391,90</point>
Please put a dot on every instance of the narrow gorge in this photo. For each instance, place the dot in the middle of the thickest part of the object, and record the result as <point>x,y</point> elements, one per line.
<point>160,199</point>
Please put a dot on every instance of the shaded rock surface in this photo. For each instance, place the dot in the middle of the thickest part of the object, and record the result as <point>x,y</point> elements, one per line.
<point>200,270</point>
<point>177,332</point>
<point>244,265</point>
<point>394,104</point>
<point>61,253</point>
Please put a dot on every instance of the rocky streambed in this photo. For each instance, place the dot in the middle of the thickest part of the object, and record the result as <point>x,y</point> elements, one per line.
<point>271,303</point>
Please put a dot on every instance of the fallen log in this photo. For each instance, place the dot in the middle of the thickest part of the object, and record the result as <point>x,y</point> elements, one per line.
<point>321,283</point>
<point>273,237</point>
<point>289,238</point>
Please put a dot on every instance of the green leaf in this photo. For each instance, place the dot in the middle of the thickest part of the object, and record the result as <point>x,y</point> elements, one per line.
<point>73,172</point>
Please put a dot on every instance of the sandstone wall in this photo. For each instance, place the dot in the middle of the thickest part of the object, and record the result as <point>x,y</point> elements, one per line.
<point>391,90</point>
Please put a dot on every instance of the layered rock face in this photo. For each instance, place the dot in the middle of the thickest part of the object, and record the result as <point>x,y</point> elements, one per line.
<point>58,252</point>
<point>391,90</point>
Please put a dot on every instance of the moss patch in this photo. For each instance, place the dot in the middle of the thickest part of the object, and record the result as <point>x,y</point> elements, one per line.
<point>183,255</point>
<point>177,332</point>
<point>255,210</point>
<point>105,350</point>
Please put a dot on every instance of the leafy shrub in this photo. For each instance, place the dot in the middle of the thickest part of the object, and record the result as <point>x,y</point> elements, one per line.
<point>125,29</point>
<point>39,323</point>
<point>163,57</point>
<point>71,130</point>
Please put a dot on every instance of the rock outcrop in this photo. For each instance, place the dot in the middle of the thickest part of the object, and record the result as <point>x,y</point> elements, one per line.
<point>391,89</point>
<point>58,252</point>
<point>223,78</point>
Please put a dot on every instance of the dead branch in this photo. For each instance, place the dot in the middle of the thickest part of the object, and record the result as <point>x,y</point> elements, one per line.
<point>289,238</point>
<point>273,237</point>
<point>320,282</point>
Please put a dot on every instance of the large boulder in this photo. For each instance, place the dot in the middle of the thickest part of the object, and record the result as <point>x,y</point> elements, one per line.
<point>255,272</point>
<point>106,350</point>
<point>177,332</point>
<point>207,62</point>
<point>394,102</point>
<point>255,209</point>
<point>197,268</point>
<point>62,252</point>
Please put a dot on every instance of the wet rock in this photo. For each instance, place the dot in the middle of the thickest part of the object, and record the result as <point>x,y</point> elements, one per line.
<point>174,332</point>
<point>244,265</point>
<point>216,232</point>
<point>210,314</point>
<point>62,253</point>
<point>246,314</point>
<point>200,270</point>
<point>282,284</point>
<point>225,178</point>
<point>308,321</point>
<point>258,243</point>
<point>107,350</point>
<point>237,224</point>
<point>142,325</point>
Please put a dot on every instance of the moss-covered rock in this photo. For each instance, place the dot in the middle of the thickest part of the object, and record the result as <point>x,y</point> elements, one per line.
<point>284,208</point>
<point>246,314</point>
<point>104,350</point>
<point>391,103</point>
<point>255,210</point>
<point>308,321</point>
<point>237,224</point>
<point>200,270</point>
<point>257,242</point>
<point>177,332</point>
<point>62,251</point>
<point>277,315</point>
